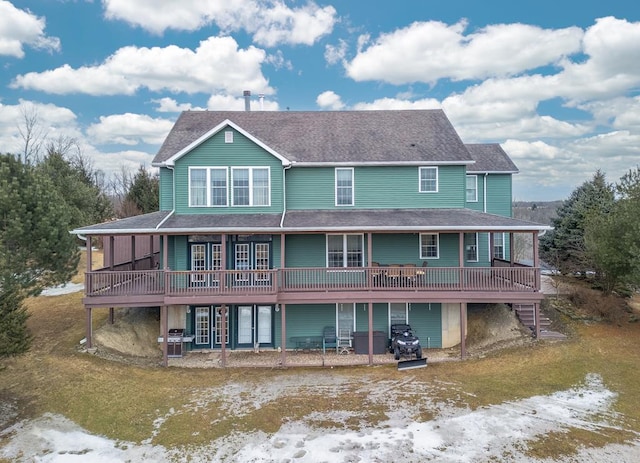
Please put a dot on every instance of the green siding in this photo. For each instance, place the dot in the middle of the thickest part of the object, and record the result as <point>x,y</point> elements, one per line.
<point>499,194</point>
<point>426,321</point>
<point>306,250</point>
<point>305,320</point>
<point>216,153</point>
<point>166,189</point>
<point>375,188</point>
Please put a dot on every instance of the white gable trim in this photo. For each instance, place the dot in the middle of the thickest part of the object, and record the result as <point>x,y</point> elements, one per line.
<point>227,123</point>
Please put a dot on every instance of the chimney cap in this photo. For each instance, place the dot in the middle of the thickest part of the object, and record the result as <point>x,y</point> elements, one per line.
<point>246,93</point>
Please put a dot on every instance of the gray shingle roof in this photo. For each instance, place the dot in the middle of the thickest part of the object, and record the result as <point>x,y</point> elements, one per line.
<point>351,220</point>
<point>490,157</point>
<point>333,136</point>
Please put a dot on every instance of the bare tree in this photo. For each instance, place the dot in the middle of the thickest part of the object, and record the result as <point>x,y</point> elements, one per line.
<point>32,133</point>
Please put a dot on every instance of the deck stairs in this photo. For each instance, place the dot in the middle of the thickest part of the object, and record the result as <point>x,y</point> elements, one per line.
<point>526,315</point>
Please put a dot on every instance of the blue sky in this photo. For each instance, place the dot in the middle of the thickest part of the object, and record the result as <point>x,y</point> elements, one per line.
<point>556,83</point>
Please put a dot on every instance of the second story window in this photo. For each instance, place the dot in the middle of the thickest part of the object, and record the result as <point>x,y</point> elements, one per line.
<point>344,186</point>
<point>472,188</point>
<point>345,250</point>
<point>428,179</point>
<point>251,186</point>
<point>208,187</point>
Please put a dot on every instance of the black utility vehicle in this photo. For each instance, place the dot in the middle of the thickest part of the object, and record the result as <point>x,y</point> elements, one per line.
<point>404,343</point>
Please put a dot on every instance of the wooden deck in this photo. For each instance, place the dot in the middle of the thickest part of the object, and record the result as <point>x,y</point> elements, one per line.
<point>141,287</point>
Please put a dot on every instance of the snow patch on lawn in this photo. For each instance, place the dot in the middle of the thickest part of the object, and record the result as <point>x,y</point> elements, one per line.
<point>66,288</point>
<point>491,433</point>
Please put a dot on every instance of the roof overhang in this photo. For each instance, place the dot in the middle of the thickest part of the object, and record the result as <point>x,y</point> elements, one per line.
<point>317,221</point>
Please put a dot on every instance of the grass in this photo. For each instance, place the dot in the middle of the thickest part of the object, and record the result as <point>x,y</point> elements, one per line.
<point>122,401</point>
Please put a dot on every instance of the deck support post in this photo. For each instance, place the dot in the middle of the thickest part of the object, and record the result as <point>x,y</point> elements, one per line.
<point>164,323</point>
<point>536,312</point>
<point>223,335</point>
<point>463,329</point>
<point>283,335</point>
<point>370,333</point>
<point>111,316</point>
<point>89,329</point>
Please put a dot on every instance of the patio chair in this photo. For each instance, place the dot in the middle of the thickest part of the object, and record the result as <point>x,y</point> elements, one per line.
<point>344,341</point>
<point>329,338</point>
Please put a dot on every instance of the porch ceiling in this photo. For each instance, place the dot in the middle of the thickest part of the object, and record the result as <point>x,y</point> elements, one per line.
<point>344,220</point>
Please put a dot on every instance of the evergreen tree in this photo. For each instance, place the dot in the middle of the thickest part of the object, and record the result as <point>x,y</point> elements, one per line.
<point>144,192</point>
<point>36,249</point>
<point>564,246</point>
<point>75,183</point>
<point>613,239</point>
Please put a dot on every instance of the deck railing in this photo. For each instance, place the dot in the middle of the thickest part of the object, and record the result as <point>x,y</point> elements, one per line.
<point>256,282</point>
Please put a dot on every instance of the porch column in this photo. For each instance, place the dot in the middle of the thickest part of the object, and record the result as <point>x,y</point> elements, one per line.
<point>536,258</point>
<point>223,261</point>
<point>369,259</point>
<point>89,329</point>
<point>491,244</point>
<point>461,260</point>
<point>89,254</point>
<point>151,258</point>
<point>223,337</point>
<point>111,251</point>
<point>463,329</point>
<point>537,315</point>
<point>165,252</point>
<point>511,248</point>
<point>164,324</point>
<point>283,335</point>
<point>133,252</point>
<point>282,262</point>
<point>88,279</point>
<point>370,332</point>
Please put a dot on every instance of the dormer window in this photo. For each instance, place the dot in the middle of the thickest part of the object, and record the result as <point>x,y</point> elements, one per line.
<point>228,136</point>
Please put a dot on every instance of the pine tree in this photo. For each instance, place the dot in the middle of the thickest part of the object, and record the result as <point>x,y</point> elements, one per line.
<point>36,249</point>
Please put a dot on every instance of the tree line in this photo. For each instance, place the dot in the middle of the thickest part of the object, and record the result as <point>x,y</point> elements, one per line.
<point>597,232</point>
<point>47,189</point>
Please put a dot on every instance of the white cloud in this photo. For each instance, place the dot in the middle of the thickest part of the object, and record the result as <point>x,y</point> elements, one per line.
<point>330,100</point>
<point>19,28</point>
<point>336,53</point>
<point>169,105</point>
<point>270,21</point>
<point>217,64</point>
<point>129,129</point>
<point>429,51</point>
<point>395,103</point>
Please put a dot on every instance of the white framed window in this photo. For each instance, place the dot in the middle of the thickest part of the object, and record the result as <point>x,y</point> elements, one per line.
<point>498,245</point>
<point>197,187</point>
<point>208,187</point>
<point>428,182</point>
<point>251,186</point>
<point>471,247</point>
<point>218,187</point>
<point>345,250</point>
<point>228,136</point>
<point>472,188</point>
<point>344,186</point>
<point>429,246</point>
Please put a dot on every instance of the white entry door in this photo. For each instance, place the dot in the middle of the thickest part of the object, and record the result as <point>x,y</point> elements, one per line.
<point>255,325</point>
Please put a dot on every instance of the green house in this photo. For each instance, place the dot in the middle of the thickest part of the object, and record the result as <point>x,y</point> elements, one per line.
<point>276,226</point>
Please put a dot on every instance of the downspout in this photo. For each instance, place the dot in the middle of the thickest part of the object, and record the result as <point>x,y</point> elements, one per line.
<point>284,193</point>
